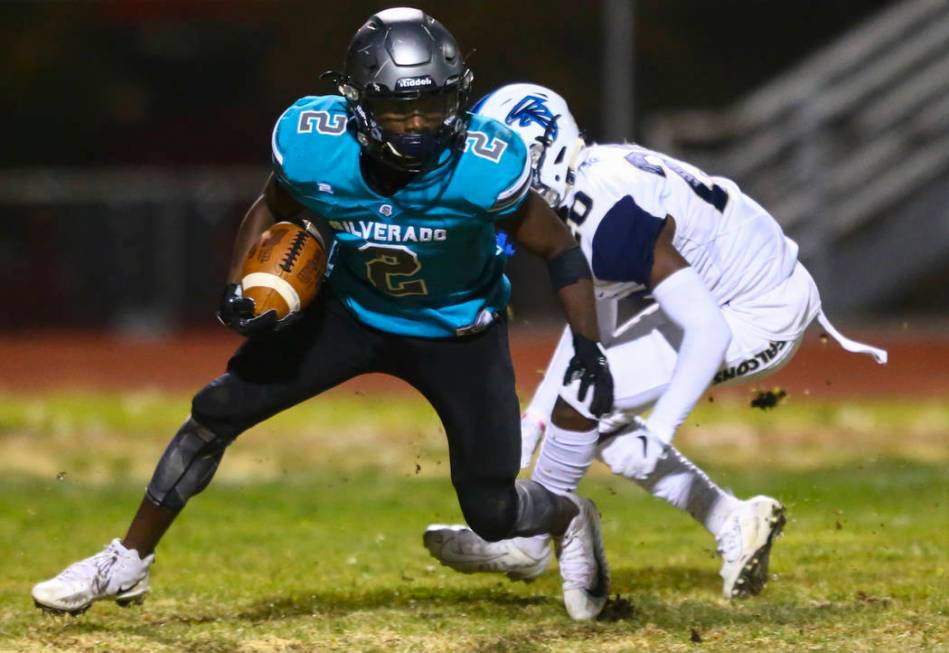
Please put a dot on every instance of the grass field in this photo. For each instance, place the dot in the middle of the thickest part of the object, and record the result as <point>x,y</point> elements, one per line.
<point>310,537</point>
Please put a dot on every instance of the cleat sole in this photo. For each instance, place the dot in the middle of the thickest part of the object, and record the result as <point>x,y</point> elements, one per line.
<point>516,576</point>
<point>754,575</point>
<point>524,573</point>
<point>75,612</point>
<point>129,602</point>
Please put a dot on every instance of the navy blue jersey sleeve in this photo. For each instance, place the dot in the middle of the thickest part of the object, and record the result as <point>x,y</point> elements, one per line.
<point>624,243</point>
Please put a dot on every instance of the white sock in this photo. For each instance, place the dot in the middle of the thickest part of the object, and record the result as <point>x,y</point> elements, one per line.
<point>688,488</point>
<point>564,458</point>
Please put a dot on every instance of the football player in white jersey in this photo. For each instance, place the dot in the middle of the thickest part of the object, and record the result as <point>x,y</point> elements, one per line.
<point>732,303</point>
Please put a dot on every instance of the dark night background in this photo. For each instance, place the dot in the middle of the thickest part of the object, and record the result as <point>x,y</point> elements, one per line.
<point>174,86</point>
<point>177,82</point>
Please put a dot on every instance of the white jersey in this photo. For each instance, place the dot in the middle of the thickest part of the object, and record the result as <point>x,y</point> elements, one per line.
<point>620,199</point>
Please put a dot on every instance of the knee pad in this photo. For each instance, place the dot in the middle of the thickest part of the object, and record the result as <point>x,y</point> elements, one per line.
<point>187,466</point>
<point>217,406</point>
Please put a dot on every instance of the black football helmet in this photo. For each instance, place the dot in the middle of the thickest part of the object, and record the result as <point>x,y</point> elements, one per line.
<point>404,62</point>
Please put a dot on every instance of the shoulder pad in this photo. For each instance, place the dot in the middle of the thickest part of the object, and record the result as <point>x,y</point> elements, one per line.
<point>310,134</point>
<point>609,172</point>
<point>496,160</point>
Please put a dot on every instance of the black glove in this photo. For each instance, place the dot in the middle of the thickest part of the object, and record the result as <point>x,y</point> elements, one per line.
<point>237,312</point>
<point>589,365</point>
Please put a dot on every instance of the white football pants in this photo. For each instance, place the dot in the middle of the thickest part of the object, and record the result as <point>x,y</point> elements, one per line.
<point>766,331</point>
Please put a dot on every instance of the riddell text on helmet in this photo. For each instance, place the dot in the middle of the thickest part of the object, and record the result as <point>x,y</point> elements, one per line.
<point>414,82</point>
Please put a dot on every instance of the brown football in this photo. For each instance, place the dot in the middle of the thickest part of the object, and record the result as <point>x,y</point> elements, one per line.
<point>284,269</point>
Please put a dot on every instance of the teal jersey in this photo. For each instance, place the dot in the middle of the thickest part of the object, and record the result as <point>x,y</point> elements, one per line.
<point>425,260</point>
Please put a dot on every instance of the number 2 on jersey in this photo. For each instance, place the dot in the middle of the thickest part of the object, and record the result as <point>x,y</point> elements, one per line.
<point>389,261</point>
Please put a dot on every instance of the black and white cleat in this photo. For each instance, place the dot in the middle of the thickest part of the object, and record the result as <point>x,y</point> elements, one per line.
<point>745,543</point>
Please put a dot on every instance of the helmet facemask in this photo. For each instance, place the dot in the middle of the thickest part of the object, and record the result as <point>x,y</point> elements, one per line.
<point>539,150</point>
<point>409,130</point>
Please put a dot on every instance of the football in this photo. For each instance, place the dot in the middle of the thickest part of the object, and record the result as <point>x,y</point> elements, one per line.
<point>284,269</point>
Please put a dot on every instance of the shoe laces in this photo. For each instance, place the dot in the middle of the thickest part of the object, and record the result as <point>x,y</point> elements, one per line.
<point>98,565</point>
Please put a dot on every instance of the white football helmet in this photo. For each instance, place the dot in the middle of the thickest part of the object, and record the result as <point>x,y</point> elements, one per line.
<point>542,119</point>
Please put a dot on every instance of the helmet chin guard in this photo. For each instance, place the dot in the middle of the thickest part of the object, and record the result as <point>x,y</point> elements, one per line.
<point>406,57</point>
<point>543,121</point>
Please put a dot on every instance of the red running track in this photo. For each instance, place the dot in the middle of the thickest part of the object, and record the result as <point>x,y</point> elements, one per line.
<point>43,361</point>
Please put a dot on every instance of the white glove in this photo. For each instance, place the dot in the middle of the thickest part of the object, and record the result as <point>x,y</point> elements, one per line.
<point>532,431</point>
<point>635,452</point>
<point>613,423</point>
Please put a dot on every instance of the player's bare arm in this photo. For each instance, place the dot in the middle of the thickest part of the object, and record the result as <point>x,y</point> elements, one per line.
<point>274,203</point>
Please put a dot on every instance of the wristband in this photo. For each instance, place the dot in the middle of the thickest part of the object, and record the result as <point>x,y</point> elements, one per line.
<point>568,267</point>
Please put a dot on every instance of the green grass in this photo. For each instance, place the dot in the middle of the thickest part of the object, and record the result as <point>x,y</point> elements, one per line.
<point>321,551</point>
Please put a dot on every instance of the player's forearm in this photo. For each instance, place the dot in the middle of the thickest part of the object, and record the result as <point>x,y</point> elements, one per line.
<point>580,308</point>
<point>255,222</point>
<point>706,335</point>
<point>274,203</point>
<point>537,229</point>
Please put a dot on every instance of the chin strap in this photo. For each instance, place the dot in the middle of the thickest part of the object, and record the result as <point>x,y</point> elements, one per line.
<point>879,355</point>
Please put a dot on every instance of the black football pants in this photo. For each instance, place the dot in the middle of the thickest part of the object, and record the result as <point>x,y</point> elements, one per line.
<point>468,380</point>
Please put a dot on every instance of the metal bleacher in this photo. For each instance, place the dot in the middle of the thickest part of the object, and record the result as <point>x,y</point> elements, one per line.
<point>849,150</point>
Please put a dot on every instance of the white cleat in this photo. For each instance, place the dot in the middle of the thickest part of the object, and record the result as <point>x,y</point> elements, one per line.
<point>583,566</point>
<point>114,573</point>
<point>745,545</point>
<point>464,550</point>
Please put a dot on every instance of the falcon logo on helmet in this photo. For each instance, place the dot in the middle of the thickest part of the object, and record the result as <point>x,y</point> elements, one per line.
<point>530,109</point>
<point>543,121</point>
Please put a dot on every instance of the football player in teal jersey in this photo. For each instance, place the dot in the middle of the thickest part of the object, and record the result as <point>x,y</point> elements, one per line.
<point>415,190</point>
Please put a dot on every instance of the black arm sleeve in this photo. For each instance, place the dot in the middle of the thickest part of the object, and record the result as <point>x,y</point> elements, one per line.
<point>568,267</point>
